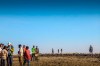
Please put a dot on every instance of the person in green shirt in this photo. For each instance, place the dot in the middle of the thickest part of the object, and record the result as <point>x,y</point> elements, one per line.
<point>33,53</point>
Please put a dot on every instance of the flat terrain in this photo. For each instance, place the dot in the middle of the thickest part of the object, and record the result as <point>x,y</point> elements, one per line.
<point>63,61</point>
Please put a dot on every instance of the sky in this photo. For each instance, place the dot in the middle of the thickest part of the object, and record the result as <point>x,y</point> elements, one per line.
<point>71,25</point>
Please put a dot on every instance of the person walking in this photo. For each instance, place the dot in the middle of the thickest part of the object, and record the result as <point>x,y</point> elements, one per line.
<point>10,54</point>
<point>33,53</point>
<point>27,57</point>
<point>20,52</point>
<point>4,56</point>
<point>36,53</point>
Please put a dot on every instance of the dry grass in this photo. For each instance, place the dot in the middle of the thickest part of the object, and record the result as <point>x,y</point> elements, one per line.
<point>63,61</point>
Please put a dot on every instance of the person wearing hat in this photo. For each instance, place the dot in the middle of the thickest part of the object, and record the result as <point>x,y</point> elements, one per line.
<point>10,54</point>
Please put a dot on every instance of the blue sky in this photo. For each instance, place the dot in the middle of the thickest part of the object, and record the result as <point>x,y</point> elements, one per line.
<point>71,25</point>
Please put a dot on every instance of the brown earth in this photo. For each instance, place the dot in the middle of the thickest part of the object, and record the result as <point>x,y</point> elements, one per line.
<point>63,61</point>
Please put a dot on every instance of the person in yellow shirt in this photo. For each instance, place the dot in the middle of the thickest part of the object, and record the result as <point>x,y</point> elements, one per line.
<point>10,54</point>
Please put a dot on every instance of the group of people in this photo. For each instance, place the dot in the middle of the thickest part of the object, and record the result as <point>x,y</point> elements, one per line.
<point>35,53</point>
<point>6,54</point>
<point>24,54</point>
<point>58,51</point>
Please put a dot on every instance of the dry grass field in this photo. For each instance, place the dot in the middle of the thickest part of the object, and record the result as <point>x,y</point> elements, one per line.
<point>63,61</point>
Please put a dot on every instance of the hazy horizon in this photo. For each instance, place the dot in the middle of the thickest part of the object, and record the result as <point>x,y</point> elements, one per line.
<point>71,25</point>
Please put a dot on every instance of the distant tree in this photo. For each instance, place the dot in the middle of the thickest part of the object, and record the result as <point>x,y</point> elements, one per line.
<point>91,49</point>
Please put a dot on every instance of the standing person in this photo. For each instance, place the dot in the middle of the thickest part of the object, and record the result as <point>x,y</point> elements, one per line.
<point>27,56</point>
<point>24,49</point>
<point>36,53</point>
<point>10,54</point>
<point>20,52</point>
<point>61,51</point>
<point>52,51</point>
<point>0,53</point>
<point>4,56</point>
<point>33,53</point>
<point>0,47</point>
<point>58,51</point>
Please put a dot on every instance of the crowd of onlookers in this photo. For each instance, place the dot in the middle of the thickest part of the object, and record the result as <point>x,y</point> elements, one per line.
<point>24,54</point>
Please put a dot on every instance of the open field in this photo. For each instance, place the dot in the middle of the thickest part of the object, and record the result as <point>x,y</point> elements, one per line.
<point>64,61</point>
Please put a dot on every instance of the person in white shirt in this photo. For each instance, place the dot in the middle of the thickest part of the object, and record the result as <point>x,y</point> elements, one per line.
<point>20,53</point>
<point>0,48</point>
<point>0,53</point>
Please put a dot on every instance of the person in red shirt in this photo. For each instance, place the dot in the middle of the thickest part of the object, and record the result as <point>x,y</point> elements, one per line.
<point>27,56</point>
<point>24,48</point>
